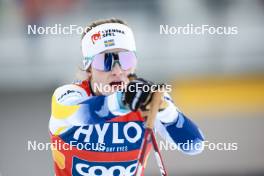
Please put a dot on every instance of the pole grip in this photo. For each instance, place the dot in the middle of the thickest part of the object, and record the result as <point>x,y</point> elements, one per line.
<point>154,105</point>
<point>154,108</point>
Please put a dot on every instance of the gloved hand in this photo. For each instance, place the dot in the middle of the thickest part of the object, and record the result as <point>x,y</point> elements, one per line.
<point>137,94</point>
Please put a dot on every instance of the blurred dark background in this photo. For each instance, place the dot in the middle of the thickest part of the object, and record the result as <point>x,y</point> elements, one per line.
<point>217,79</point>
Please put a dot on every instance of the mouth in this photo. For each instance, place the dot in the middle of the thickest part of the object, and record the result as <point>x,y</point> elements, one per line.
<point>117,85</point>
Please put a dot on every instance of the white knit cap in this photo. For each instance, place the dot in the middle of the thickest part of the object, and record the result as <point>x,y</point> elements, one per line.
<point>104,37</point>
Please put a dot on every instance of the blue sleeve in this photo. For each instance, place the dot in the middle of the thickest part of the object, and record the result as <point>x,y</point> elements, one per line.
<point>102,108</point>
<point>185,134</point>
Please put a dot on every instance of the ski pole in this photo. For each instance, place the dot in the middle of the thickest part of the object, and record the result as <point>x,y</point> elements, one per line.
<point>149,136</point>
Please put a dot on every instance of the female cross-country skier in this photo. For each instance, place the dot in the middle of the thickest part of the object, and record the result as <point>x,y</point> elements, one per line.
<point>97,131</point>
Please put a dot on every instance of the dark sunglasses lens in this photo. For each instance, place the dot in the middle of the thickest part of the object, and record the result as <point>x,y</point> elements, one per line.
<point>108,61</point>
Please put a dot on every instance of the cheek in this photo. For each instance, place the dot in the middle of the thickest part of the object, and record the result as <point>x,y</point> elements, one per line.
<point>99,76</point>
<point>129,71</point>
<point>126,73</point>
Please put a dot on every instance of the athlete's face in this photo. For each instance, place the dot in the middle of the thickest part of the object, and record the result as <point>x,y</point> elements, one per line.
<point>113,78</point>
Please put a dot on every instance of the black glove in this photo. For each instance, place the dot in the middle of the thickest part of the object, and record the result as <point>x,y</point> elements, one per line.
<point>137,94</point>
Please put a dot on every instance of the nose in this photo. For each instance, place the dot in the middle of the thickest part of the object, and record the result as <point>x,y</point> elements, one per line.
<point>116,71</point>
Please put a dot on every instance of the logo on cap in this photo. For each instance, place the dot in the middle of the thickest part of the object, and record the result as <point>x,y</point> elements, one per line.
<point>95,37</point>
